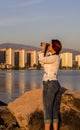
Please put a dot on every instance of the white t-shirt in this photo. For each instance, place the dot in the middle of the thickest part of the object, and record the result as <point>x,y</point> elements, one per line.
<point>51,66</point>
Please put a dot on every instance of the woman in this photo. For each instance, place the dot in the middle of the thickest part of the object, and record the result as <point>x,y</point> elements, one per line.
<point>51,85</point>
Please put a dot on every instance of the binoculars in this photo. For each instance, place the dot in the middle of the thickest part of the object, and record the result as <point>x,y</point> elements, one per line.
<point>47,44</point>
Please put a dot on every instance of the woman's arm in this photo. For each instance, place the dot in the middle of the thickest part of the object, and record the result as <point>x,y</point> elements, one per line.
<point>47,59</point>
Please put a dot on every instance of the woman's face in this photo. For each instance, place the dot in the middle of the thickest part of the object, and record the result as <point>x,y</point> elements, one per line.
<point>50,48</point>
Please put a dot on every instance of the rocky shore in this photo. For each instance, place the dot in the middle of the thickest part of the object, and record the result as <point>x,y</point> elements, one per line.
<point>26,112</point>
<point>7,120</point>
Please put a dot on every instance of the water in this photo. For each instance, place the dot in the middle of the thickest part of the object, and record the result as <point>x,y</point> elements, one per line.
<point>14,83</point>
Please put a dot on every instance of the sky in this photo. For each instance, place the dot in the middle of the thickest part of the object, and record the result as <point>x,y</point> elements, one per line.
<point>30,22</point>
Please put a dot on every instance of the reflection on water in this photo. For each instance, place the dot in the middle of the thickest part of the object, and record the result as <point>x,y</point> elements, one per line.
<point>15,83</point>
<point>22,82</point>
<point>8,84</point>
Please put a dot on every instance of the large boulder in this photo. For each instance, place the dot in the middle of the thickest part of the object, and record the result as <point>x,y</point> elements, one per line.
<point>23,106</point>
<point>28,110</point>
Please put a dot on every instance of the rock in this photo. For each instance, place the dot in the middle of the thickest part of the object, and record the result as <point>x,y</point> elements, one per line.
<point>28,110</point>
<point>7,120</point>
<point>2,103</point>
<point>23,106</point>
<point>70,111</point>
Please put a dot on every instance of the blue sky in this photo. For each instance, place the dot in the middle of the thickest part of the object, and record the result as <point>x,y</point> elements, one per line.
<point>33,21</point>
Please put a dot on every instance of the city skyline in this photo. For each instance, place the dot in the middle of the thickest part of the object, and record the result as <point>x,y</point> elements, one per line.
<point>10,58</point>
<point>30,22</point>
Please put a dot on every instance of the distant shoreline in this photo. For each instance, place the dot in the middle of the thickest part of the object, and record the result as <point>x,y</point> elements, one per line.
<point>38,69</point>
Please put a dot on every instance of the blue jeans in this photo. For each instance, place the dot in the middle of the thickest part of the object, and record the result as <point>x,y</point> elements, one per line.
<point>50,102</point>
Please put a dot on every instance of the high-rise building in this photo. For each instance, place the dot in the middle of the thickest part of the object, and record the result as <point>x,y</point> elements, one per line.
<point>28,59</point>
<point>77,58</point>
<point>31,58</point>
<point>22,58</point>
<point>34,58</point>
<point>16,58</point>
<point>2,56</point>
<point>9,57</point>
<point>66,59</point>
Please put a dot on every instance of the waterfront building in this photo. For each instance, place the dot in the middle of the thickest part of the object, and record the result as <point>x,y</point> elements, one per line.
<point>66,59</point>
<point>34,58</point>
<point>9,57</point>
<point>77,58</point>
<point>28,59</point>
<point>16,58</point>
<point>2,56</point>
<point>22,58</point>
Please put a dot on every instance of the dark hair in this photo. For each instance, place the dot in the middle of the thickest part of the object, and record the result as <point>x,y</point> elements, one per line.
<point>56,45</point>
